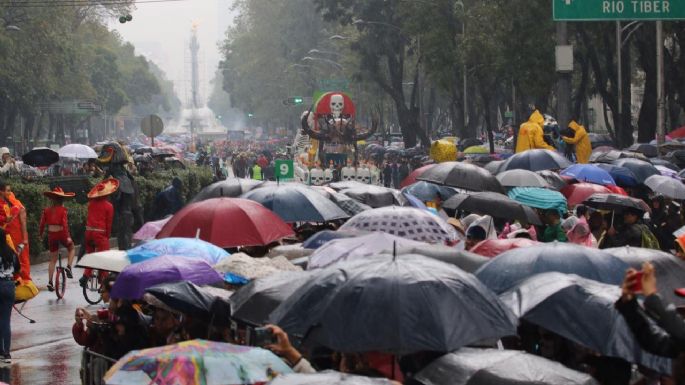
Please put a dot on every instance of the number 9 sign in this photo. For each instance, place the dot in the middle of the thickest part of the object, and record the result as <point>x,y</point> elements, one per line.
<point>285,169</point>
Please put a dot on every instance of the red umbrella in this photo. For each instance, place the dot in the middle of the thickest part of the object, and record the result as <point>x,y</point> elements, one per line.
<point>411,178</point>
<point>494,247</point>
<point>577,193</point>
<point>678,133</point>
<point>617,190</point>
<point>227,222</point>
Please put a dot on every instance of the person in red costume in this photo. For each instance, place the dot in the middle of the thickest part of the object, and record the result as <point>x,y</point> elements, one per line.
<point>55,219</point>
<point>13,221</point>
<point>99,222</point>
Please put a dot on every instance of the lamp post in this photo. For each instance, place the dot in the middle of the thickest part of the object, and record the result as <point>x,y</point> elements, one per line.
<point>620,42</point>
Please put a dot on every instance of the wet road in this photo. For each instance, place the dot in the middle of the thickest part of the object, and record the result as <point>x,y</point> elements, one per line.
<point>45,352</point>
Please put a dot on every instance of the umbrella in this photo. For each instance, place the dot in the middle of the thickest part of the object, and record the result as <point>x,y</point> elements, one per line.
<point>40,157</point>
<point>465,260</point>
<point>411,178</point>
<point>188,298</point>
<point>322,237</point>
<point>254,302</point>
<point>493,204</point>
<point>296,203</point>
<point>646,149</point>
<point>621,175</point>
<point>554,180</point>
<point>536,160</point>
<point>414,202</point>
<point>665,163</point>
<point>197,362</point>
<point>462,175</point>
<point>521,178</point>
<point>469,142</point>
<point>587,308</point>
<point>597,140</point>
<point>670,270</point>
<point>348,205</point>
<point>667,186</point>
<point>229,188</point>
<point>589,173</point>
<point>110,260</point>
<point>227,222</point>
<point>79,151</point>
<point>399,304</point>
<point>579,192</point>
<point>615,202</point>
<point>375,196</point>
<point>182,247</point>
<point>640,168</point>
<point>665,171</point>
<point>248,268</point>
<point>150,230</point>
<point>493,166</point>
<point>136,278</point>
<point>349,249</point>
<point>503,272</point>
<point>405,222</point>
<point>327,378</point>
<point>339,186</point>
<point>677,133</point>
<point>539,198</point>
<point>476,150</point>
<point>428,192</point>
<point>494,247</point>
<point>469,366</point>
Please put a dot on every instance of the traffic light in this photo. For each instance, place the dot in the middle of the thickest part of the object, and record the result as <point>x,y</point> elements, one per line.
<point>125,18</point>
<point>293,101</point>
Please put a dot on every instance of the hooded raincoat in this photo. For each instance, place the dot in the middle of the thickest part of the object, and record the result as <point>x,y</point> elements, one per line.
<point>531,135</point>
<point>581,140</point>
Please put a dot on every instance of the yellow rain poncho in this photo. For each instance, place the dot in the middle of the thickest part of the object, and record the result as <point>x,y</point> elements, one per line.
<point>581,140</point>
<point>531,134</point>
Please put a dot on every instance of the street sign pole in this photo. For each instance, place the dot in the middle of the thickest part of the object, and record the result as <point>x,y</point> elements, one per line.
<point>660,133</point>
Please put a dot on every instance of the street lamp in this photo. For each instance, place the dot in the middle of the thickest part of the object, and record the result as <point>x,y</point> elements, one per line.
<point>620,42</point>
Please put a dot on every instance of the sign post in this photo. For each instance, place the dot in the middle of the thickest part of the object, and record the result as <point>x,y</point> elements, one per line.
<point>151,126</point>
<point>285,169</point>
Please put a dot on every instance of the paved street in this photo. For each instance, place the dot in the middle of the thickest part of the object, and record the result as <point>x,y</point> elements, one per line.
<point>45,352</point>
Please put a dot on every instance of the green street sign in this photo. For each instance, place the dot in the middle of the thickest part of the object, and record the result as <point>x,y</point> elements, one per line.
<point>597,10</point>
<point>285,169</point>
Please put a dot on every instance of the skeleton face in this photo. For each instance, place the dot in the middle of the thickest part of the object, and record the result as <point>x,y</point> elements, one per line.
<point>337,105</point>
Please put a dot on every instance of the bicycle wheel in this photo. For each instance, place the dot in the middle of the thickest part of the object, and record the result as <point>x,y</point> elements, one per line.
<point>91,290</point>
<point>60,282</point>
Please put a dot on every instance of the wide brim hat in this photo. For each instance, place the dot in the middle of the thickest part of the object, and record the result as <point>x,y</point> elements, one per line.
<point>57,192</point>
<point>104,188</point>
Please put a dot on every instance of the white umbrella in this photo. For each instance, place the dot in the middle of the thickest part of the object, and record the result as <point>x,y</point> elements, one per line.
<point>347,249</point>
<point>670,187</point>
<point>110,260</point>
<point>79,151</point>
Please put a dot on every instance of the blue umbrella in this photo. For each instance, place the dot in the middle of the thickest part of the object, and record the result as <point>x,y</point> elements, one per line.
<point>539,198</point>
<point>589,173</point>
<point>429,191</point>
<point>535,160</point>
<point>587,309</point>
<point>294,203</point>
<point>640,168</point>
<point>513,266</point>
<point>322,237</point>
<point>182,247</point>
<point>621,175</point>
<point>415,202</point>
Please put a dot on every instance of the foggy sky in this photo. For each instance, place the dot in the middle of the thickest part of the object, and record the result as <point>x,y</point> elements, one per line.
<point>161,32</point>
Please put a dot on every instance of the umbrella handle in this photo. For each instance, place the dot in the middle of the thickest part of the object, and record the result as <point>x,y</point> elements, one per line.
<point>612,218</point>
<point>197,233</point>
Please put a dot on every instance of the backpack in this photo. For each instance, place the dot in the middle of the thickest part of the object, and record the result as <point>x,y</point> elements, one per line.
<point>649,240</point>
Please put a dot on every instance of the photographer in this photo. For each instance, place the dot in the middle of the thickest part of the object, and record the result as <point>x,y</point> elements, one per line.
<point>8,163</point>
<point>88,329</point>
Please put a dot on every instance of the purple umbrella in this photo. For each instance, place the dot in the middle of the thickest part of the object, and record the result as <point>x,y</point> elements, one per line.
<point>134,279</point>
<point>150,230</point>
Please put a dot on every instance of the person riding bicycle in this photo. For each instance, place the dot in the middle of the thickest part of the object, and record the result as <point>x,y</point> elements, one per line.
<point>99,222</point>
<point>55,218</point>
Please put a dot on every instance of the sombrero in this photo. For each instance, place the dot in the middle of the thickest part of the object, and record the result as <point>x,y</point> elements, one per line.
<point>57,192</point>
<point>104,188</point>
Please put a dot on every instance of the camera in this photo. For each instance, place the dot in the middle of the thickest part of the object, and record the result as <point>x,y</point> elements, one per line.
<point>260,337</point>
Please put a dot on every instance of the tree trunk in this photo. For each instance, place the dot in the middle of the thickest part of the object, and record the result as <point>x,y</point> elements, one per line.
<point>646,123</point>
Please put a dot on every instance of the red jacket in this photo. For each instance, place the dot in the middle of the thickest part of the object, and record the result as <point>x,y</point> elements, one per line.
<point>100,214</point>
<point>54,215</point>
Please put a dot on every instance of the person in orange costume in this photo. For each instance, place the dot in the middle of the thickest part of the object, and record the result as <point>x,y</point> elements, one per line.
<point>55,218</point>
<point>99,221</point>
<point>13,221</point>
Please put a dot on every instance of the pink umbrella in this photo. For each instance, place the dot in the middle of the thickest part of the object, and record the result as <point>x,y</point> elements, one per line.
<point>494,247</point>
<point>150,229</point>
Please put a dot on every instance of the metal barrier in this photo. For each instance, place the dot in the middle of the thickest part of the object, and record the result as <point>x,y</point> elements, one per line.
<point>93,367</point>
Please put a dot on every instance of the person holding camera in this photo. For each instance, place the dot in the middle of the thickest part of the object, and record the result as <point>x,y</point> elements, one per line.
<point>8,163</point>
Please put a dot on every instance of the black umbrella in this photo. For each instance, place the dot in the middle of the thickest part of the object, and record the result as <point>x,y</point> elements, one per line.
<point>493,166</point>
<point>615,202</point>
<point>513,266</point>
<point>469,366</point>
<point>536,160</point>
<point>642,169</point>
<point>493,204</point>
<point>521,178</point>
<point>296,203</point>
<point>599,140</point>
<point>327,378</point>
<point>398,304</point>
<point>553,179</point>
<point>254,302</point>
<point>188,298</point>
<point>40,157</point>
<point>467,261</point>
<point>230,188</point>
<point>462,175</point>
<point>586,309</point>
<point>665,163</point>
<point>670,270</point>
<point>375,196</point>
<point>469,142</point>
<point>338,186</point>
<point>646,149</point>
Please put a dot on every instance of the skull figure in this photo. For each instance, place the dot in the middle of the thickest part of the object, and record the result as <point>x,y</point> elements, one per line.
<point>337,105</point>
